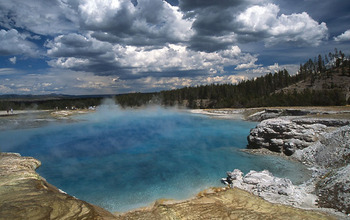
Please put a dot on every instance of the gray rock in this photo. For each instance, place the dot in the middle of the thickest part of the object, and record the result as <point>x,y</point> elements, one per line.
<point>286,134</point>
<point>323,144</point>
<point>331,151</point>
<point>271,188</point>
<point>265,114</point>
<point>289,148</point>
<point>327,122</point>
<point>334,190</point>
<point>330,157</point>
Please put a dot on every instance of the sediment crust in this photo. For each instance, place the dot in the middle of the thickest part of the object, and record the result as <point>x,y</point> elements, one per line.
<point>223,204</point>
<point>26,195</point>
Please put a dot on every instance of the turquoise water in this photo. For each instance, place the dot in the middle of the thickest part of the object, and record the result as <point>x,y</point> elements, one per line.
<point>122,160</point>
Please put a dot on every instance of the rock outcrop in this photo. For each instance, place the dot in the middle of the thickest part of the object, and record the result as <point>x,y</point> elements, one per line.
<point>331,151</point>
<point>271,188</point>
<point>330,157</point>
<point>333,190</point>
<point>26,195</point>
<point>288,134</point>
<point>322,144</point>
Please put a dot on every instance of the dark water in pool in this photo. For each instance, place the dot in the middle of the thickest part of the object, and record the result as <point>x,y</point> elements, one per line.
<point>126,159</point>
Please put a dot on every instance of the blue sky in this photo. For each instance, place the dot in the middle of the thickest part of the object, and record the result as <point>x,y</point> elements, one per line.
<point>118,46</point>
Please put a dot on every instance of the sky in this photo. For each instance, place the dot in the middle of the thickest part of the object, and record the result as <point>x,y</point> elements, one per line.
<point>83,47</point>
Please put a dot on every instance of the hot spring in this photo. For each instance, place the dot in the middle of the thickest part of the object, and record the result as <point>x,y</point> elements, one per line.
<point>124,159</point>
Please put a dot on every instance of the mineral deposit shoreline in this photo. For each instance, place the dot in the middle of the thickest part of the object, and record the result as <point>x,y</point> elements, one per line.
<point>265,185</point>
<point>316,137</point>
<point>215,202</point>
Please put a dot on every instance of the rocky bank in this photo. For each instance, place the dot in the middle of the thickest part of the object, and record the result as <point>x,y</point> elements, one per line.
<point>323,144</point>
<point>288,134</point>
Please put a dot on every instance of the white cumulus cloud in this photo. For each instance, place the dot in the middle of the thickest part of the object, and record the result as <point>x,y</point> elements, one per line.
<point>15,43</point>
<point>343,37</point>
<point>85,53</point>
<point>264,22</point>
<point>40,16</point>
<point>150,22</point>
<point>13,60</point>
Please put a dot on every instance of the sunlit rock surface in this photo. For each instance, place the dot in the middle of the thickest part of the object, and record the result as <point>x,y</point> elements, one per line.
<point>271,188</point>
<point>26,195</point>
<point>229,204</point>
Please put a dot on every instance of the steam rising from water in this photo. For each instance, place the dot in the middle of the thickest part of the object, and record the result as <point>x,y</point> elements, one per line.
<point>123,159</point>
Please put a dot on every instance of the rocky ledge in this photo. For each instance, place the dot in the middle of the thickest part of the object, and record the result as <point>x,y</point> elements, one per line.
<point>288,134</point>
<point>322,144</point>
<point>26,195</point>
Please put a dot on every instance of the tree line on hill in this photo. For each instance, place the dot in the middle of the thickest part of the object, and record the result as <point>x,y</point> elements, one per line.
<point>252,93</point>
<point>325,67</point>
<point>266,90</point>
<point>263,91</point>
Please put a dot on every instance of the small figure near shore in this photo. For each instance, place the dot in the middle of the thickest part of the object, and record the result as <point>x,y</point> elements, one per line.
<point>11,111</point>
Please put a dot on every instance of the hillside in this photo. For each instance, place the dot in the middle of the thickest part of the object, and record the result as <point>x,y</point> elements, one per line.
<point>337,80</point>
<point>319,82</point>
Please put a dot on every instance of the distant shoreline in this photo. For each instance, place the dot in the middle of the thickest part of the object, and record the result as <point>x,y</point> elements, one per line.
<point>306,111</point>
<point>21,112</point>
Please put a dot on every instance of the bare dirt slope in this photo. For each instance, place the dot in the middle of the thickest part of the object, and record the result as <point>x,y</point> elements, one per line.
<point>336,80</point>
